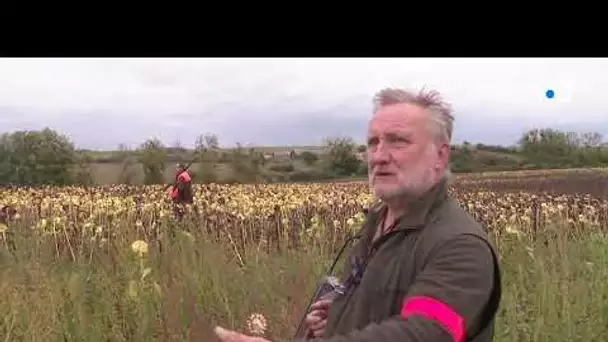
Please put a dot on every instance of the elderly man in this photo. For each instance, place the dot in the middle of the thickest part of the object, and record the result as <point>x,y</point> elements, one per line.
<point>424,269</point>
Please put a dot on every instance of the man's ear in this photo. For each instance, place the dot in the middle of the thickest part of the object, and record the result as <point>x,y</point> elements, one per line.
<point>443,156</point>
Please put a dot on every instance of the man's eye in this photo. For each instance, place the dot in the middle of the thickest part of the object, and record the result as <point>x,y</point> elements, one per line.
<point>396,140</point>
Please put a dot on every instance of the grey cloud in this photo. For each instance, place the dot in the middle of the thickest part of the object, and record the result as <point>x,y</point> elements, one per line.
<point>102,130</point>
<point>103,102</point>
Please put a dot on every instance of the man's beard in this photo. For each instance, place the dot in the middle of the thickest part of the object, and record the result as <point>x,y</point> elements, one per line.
<point>415,186</point>
<point>417,181</point>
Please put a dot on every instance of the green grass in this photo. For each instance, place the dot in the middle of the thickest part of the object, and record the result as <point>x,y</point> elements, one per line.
<point>552,292</point>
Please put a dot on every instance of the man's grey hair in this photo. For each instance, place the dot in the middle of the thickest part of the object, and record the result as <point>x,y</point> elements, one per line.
<point>440,112</point>
<point>441,117</point>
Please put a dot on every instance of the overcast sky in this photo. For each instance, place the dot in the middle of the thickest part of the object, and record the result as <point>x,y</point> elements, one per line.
<point>100,103</point>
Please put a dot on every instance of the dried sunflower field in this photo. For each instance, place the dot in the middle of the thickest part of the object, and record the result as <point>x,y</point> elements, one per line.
<point>112,263</point>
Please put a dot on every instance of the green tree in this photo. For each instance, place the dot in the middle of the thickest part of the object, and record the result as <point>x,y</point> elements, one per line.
<point>153,157</point>
<point>36,158</point>
<point>206,150</point>
<point>7,169</point>
<point>128,161</point>
<point>83,173</point>
<point>341,156</point>
<point>547,147</point>
<point>467,147</point>
<point>246,165</point>
<point>309,158</point>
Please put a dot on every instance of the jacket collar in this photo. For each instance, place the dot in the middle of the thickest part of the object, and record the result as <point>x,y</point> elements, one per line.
<point>419,211</point>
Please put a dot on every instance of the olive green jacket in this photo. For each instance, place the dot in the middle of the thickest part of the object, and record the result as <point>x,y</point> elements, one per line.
<point>434,278</point>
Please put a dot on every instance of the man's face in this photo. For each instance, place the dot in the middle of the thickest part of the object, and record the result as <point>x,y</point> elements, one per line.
<point>404,159</point>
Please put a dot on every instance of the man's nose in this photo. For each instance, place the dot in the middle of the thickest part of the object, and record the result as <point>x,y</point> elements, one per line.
<point>380,154</point>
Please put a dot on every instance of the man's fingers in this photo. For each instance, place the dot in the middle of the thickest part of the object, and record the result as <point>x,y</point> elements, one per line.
<point>312,319</point>
<point>318,333</point>
<point>233,336</point>
<point>319,325</point>
<point>321,305</point>
<point>316,320</point>
<point>316,326</point>
<point>316,314</point>
<point>227,335</point>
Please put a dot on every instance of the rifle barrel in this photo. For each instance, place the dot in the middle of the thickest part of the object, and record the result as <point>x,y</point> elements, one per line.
<point>174,183</point>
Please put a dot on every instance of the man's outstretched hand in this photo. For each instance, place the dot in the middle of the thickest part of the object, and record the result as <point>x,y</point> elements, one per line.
<point>233,336</point>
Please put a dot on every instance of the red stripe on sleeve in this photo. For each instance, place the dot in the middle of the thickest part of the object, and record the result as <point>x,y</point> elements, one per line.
<point>435,310</point>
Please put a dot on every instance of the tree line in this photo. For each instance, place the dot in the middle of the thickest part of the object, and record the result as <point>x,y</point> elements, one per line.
<point>47,157</point>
